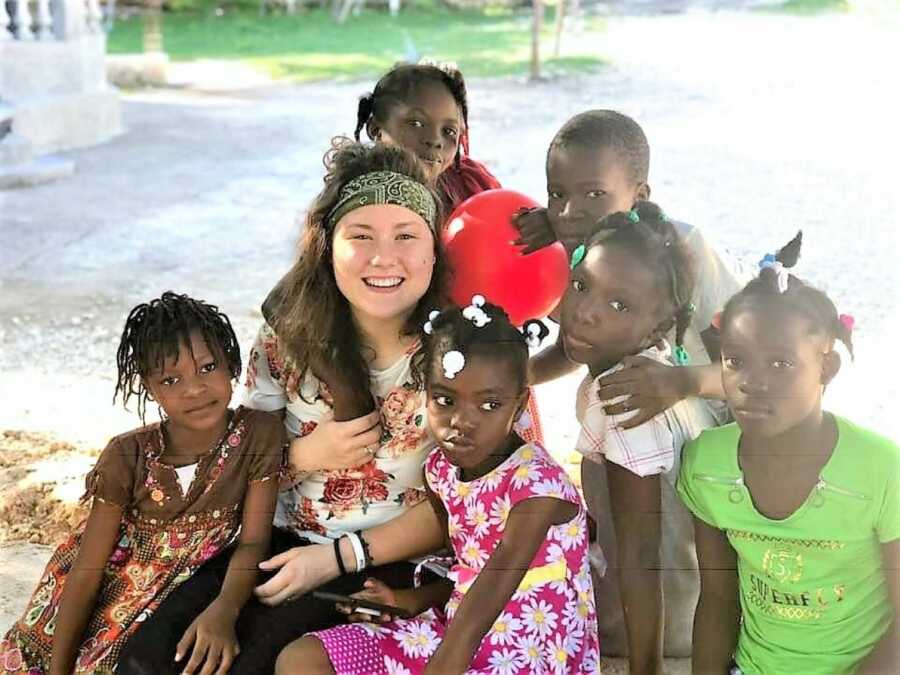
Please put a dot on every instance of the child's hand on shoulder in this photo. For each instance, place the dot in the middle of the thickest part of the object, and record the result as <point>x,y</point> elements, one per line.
<point>534,229</point>
<point>214,641</point>
<point>646,388</point>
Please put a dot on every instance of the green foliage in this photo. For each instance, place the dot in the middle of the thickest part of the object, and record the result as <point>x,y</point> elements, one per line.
<point>808,7</point>
<point>311,46</point>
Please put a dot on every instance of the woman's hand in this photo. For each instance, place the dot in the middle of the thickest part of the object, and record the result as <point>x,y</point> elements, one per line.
<point>377,591</point>
<point>215,642</point>
<point>337,445</point>
<point>645,386</point>
<point>534,229</point>
<point>303,569</point>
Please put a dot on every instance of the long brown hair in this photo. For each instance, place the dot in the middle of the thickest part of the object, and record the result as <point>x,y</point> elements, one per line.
<point>314,322</point>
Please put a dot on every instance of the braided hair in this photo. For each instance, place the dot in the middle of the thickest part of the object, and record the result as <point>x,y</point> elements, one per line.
<point>497,339</point>
<point>799,297</point>
<point>155,330</point>
<point>646,232</point>
<point>466,177</point>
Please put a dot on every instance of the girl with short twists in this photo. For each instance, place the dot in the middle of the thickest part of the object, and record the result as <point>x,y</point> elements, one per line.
<point>189,498</point>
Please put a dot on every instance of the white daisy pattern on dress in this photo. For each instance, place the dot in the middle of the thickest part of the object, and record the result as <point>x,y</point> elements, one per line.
<point>549,624</point>
<point>505,629</point>
<point>477,519</point>
<point>504,662</point>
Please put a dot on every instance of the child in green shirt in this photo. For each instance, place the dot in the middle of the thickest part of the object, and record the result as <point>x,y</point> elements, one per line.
<point>797,510</point>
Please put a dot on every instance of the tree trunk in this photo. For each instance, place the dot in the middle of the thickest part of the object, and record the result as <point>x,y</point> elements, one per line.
<point>536,24</point>
<point>560,19</point>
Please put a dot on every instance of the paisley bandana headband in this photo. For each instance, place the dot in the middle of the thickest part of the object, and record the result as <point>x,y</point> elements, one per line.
<point>385,187</point>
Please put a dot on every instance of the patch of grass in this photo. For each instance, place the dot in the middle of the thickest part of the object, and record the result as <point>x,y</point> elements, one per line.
<point>809,7</point>
<point>311,46</point>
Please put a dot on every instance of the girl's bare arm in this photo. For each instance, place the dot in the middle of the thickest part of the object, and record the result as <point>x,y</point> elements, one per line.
<point>635,505</point>
<point>550,364</point>
<point>83,584</point>
<point>718,615</point>
<point>885,658</point>
<point>210,637</point>
<point>526,530</point>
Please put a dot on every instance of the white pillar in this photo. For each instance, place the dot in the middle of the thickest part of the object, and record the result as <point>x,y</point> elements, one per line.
<point>44,30</point>
<point>6,22</point>
<point>68,18</point>
<point>94,18</point>
<point>23,21</point>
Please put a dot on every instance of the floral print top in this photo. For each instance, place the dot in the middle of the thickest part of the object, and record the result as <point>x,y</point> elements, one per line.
<point>329,502</point>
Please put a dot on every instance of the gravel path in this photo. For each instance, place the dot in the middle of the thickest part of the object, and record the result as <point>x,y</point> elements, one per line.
<point>760,125</point>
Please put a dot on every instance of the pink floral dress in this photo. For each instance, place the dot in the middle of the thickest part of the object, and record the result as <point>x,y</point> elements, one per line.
<point>548,625</point>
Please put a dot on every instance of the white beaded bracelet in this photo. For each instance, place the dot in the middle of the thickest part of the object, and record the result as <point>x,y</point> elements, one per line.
<point>358,551</point>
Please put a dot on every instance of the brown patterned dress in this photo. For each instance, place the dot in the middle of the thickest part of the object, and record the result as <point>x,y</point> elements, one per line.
<point>165,535</point>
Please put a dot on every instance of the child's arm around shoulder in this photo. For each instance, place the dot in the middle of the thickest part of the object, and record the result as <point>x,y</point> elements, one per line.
<point>110,484</point>
<point>651,387</point>
<point>526,530</point>
<point>550,363</point>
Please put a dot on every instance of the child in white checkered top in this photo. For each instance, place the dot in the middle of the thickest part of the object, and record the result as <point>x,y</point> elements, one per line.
<point>630,285</point>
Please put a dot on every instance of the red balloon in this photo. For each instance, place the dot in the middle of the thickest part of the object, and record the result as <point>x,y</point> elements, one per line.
<point>479,238</point>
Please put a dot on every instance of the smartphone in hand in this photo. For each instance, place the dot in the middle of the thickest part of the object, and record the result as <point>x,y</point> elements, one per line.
<point>361,605</point>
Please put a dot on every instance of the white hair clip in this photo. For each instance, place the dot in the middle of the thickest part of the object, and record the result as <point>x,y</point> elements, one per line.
<point>782,275</point>
<point>432,315</point>
<point>533,335</point>
<point>475,314</point>
<point>453,362</point>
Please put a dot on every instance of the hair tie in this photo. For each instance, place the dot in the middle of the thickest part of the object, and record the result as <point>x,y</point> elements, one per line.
<point>534,331</point>
<point>453,362</point>
<point>782,276</point>
<point>428,328</point>
<point>633,216</point>
<point>475,314</point>
<point>847,321</point>
<point>682,358</point>
<point>577,256</point>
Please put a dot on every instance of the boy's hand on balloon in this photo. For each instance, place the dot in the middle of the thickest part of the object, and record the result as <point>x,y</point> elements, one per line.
<point>214,641</point>
<point>535,231</point>
<point>643,387</point>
